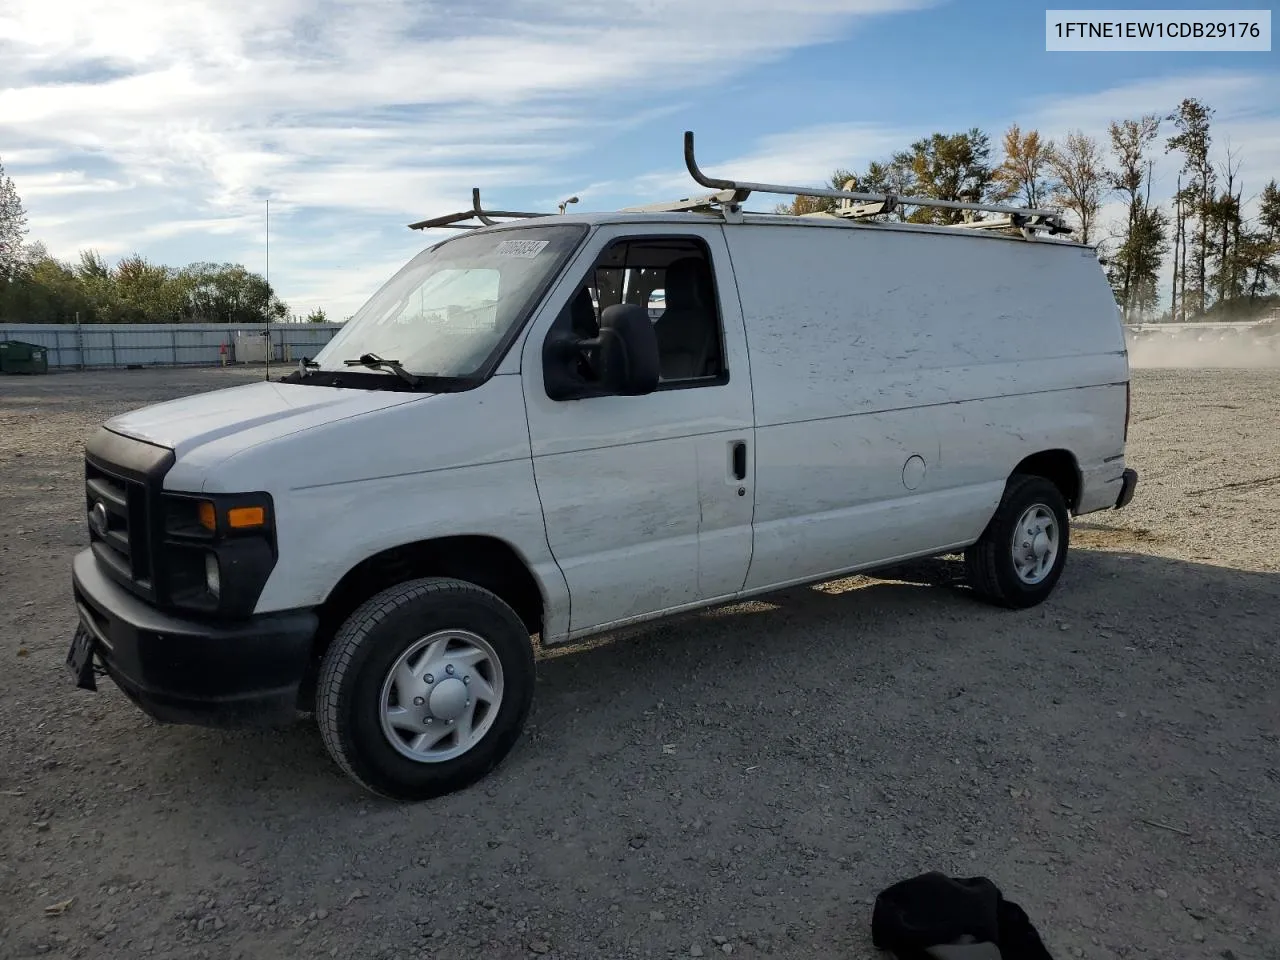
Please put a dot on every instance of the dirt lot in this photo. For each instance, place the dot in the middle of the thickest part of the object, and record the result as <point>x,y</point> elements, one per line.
<point>744,781</point>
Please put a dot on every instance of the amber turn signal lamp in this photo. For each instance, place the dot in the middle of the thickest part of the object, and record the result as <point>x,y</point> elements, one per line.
<point>208,519</point>
<point>245,518</point>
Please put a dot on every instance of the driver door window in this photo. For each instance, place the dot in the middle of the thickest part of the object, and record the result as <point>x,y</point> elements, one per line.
<point>673,279</point>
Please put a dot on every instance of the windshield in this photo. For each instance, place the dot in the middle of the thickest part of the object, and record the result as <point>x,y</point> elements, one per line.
<point>454,305</point>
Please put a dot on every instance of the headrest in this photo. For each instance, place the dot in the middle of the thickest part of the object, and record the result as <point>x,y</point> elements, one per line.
<point>688,283</point>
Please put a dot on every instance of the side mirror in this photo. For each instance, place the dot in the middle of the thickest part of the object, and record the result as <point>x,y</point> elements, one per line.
<point>621,361</point>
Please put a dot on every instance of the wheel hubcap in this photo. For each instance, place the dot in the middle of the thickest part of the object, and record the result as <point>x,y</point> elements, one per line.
<point>448,699</point>
<point>1035,544</point>
<point>441,696</point>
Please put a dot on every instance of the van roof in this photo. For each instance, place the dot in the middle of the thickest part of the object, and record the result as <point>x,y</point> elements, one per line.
<point>852,209</point>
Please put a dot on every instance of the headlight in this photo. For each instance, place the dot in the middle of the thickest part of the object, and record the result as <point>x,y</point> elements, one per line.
<point>189,518</point>
<point>216,551</point>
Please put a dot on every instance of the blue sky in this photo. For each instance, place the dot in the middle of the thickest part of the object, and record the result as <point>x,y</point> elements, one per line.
<point>161,127</point>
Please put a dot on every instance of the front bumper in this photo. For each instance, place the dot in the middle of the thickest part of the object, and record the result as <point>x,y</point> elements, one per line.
<point>1128,484</point>
<point>184,670</point>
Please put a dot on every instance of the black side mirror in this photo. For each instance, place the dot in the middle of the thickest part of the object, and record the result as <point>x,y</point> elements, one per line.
<point>621,361</point>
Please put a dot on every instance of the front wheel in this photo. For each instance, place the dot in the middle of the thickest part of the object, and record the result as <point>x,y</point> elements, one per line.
<point>1019,557</point>
<point>425,688</point>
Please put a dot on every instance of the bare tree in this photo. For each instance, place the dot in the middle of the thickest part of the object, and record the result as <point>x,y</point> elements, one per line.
<point>1130,141</point>
<point>1179,266</point>
<point>1193,141</point>
<point>1263,244</point>
<point>1224,214</point>
<point>1082,179</point>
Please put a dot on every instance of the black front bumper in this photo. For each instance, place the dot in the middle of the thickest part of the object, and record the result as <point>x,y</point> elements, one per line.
<point>1128,484</point>
<point>181,670</point>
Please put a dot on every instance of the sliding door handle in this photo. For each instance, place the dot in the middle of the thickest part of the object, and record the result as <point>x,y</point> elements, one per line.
<point>739,459</point>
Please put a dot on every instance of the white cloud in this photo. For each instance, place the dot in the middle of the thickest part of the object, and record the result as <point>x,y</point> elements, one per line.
<point>63,183</point>
<point>804,157</point>
<point>1246,118</point>
<point>31,157</point>
<point>193,111</point>
<point>809,156</point>
<point>226,226</point>
<point>1232,93</point>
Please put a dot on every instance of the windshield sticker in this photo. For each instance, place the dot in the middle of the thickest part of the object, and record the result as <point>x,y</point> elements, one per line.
<point>524,249</point>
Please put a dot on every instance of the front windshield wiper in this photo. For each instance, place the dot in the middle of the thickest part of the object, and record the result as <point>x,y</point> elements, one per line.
<point>375,362</point>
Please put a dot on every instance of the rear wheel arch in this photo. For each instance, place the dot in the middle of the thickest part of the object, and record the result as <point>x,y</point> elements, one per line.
<point>1059,467</point>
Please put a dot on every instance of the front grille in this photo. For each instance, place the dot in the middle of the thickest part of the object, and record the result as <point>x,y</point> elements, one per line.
<point>119,526</point>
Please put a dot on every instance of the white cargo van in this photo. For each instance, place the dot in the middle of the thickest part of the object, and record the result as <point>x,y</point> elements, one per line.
<point>504,442</point>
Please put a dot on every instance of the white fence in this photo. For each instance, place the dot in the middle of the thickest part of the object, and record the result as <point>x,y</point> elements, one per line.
<point>97,345</point>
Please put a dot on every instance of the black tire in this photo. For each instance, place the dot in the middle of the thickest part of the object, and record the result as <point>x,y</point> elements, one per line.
<point>989,563</point>
<point>348,699</point>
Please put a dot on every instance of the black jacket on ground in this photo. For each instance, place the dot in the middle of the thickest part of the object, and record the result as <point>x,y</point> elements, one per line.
<point>933,916</point>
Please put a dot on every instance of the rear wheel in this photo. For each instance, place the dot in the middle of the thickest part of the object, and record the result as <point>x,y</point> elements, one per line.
<point>1018,559</point>
<point>425,688</point>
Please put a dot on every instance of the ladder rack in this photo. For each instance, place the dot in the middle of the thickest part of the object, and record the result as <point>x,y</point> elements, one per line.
<point>730,194</point>
<point>487,218</point>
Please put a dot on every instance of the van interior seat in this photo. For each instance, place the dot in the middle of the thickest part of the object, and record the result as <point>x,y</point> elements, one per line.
<point>686,330</point>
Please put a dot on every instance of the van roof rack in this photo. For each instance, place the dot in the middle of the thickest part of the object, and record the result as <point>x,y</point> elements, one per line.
<point>729,196</point>
<point>487,218</point>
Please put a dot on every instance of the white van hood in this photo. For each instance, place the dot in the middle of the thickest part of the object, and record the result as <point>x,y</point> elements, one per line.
<point>266,409</point>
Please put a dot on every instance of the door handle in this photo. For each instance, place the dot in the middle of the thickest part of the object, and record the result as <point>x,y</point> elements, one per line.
<point>739,459</point>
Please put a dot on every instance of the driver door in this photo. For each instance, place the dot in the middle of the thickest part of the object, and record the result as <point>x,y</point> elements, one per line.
<point>647,500</point>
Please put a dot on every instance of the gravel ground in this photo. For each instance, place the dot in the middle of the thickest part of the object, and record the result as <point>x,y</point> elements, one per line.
<point>742,782</point>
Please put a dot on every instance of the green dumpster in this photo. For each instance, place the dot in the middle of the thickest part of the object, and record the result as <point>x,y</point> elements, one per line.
<point>19,357</point>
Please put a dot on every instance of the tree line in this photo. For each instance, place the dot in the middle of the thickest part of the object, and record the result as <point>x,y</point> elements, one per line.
<point>38,288</point>
<point>1225,265</point>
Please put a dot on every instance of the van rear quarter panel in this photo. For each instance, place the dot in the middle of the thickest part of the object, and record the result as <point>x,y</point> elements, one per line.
<point>873,345</point>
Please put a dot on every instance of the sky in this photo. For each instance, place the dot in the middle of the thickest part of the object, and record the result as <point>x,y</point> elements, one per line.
<point>164,128</point>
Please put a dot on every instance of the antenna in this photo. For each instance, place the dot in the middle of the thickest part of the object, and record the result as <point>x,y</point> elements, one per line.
<point>267,333</point>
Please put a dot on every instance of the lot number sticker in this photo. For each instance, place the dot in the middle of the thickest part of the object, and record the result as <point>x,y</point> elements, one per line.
<point>524,249</point>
